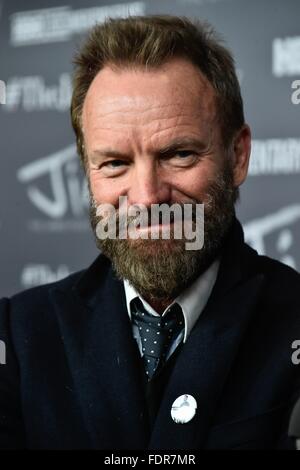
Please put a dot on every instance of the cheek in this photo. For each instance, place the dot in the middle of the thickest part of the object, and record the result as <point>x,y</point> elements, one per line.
<point>196,183</point>
<point>103,191</point>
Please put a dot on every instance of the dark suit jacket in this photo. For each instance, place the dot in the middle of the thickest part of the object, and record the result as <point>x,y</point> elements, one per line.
<point>72,374</point>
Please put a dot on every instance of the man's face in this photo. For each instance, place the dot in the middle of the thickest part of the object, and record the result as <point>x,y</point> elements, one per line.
<point>154,137</point>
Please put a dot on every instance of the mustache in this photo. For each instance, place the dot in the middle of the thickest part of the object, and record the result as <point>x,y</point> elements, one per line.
<point>147,216</point>
<point>184,221</point>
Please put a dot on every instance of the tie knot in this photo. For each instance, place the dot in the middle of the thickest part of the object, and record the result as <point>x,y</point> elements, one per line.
<point>156,333</point>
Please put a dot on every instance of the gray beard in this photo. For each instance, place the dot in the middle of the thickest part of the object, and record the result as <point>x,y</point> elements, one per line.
<point>161,269</point>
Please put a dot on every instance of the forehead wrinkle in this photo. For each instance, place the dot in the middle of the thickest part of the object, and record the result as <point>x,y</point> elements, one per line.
<point>134,139</point>
<point>149,135</point>
<point>180,77</point>
<point>120,118</point>
<point>131,104</point>
<point>160,107</point>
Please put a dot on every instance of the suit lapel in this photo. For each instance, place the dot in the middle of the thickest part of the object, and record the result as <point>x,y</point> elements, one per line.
<point>203,366</point>
<point>103,358</point>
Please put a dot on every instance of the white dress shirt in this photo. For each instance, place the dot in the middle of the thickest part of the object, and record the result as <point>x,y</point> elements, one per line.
<point>192,302</point>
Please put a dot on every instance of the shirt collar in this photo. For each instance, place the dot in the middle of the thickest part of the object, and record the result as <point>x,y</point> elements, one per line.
<point>192,300</point>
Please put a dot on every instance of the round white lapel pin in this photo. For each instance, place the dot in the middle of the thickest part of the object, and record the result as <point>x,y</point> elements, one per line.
<point>184,409</point>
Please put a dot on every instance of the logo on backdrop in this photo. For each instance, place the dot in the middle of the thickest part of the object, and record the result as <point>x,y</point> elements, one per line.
<point>275,157</point>
<point>286,56</point>
<point>61,23</point>
<point>56,186</point>
<point>277,233</point>
<point>32,94</point>
<point>36,274</point>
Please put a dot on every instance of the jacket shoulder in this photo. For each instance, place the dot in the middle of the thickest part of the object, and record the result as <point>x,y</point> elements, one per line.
<point>278,273</point>
<point>36,299</point>
<point>279,300</point>
<point>40,292</point>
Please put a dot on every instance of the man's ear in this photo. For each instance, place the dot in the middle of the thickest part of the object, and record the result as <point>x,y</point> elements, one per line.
<point>241,149</point>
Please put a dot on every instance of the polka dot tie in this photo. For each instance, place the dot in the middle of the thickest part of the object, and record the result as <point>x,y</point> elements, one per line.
<point>157,334</point>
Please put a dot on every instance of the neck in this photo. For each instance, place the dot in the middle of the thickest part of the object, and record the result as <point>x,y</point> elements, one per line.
<point>159,305</point>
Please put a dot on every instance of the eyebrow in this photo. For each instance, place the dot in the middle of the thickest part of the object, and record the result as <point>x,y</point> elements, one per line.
<point>107,153</point>
<point>171,147</point>
<point>181,143</point>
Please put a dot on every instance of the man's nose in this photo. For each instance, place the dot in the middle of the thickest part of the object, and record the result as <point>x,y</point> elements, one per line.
<point>148,186</point>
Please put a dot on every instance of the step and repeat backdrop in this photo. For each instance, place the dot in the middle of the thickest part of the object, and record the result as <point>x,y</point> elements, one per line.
<point>44,228</point>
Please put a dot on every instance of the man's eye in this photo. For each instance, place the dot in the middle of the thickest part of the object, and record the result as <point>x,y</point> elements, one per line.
<point>182,157</point>
<point>113,163</point>
<point>184,153</point>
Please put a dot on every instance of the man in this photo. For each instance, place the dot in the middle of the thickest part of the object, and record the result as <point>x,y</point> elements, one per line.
<point>106,357</point>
